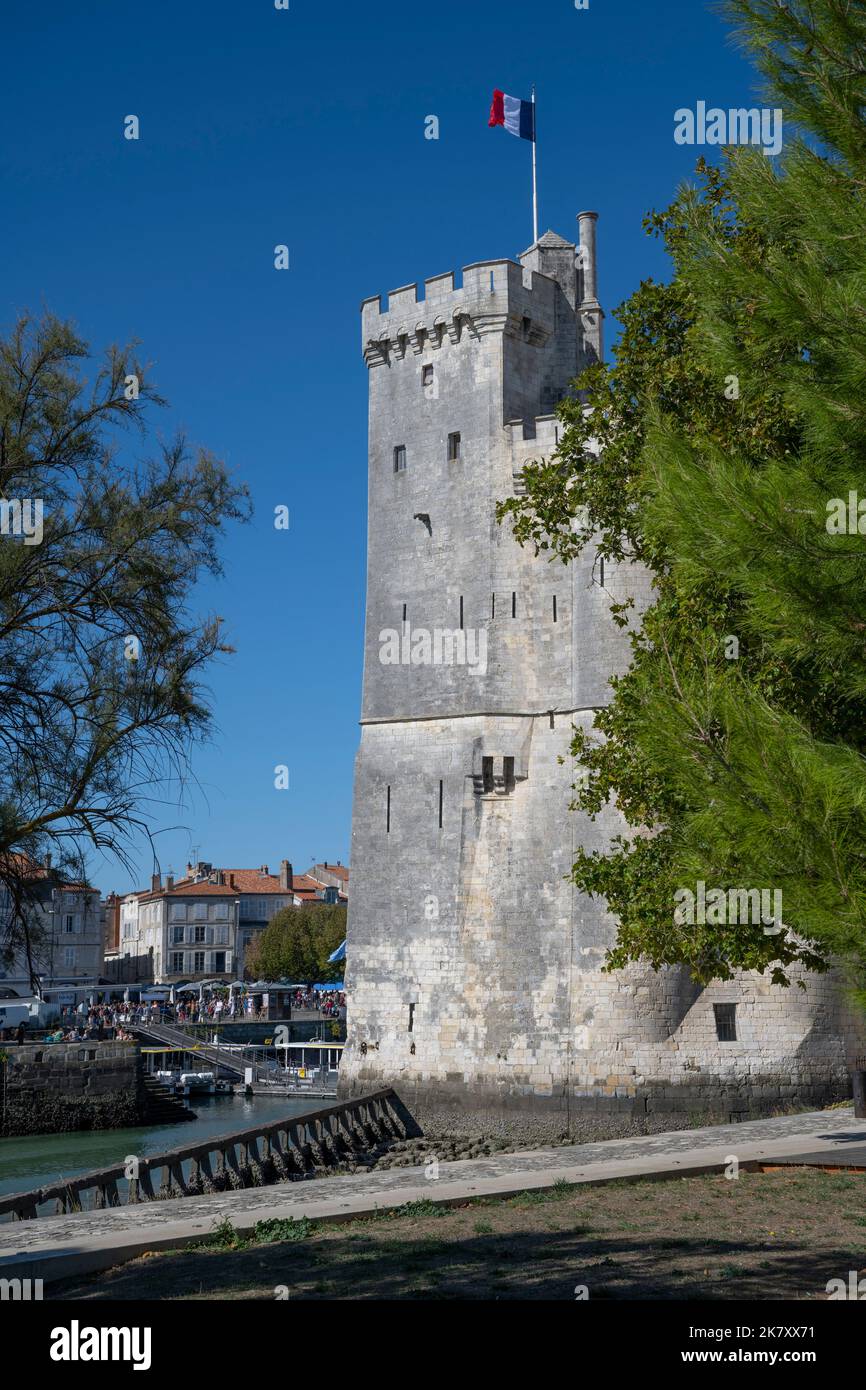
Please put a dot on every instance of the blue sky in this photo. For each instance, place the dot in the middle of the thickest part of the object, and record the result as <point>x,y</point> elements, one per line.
<point>306,127</point>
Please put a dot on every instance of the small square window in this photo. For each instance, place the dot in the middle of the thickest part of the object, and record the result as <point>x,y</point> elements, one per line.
<point>453,447</point>
<point>427,375</point>
<point>400,458</point>
<point>726,1022</point>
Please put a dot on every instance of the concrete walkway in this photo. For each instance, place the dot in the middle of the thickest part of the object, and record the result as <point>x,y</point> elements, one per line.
<point>58,1247</point>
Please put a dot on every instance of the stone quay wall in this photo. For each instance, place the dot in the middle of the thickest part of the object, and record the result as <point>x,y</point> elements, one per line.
<point>57,1087</point>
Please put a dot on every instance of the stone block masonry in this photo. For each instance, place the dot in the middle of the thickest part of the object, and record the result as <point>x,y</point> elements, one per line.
<point>474,965</point>
<point>56,1087</point>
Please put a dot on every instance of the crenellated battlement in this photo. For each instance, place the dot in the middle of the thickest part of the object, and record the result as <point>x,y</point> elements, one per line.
<point>531,440</point>
<point>534,437</point>
<point>495,296</point>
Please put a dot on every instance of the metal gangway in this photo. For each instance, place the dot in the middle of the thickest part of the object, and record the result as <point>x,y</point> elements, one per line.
<point>236,1059</point>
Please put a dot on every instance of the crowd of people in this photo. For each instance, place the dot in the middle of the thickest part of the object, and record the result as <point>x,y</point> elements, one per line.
<point>114,1020</point>
<point>330,1003</point>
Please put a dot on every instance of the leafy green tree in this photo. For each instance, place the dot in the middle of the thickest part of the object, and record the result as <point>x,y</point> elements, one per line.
<point>730,419</point>
<point>101,654</point>
<point>296,943</point>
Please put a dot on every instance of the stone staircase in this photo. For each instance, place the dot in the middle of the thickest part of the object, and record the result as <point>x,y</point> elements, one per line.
<point>162,1106</point>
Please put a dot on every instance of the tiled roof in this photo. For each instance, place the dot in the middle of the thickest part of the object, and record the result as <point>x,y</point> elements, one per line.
<point>247,881</point>
<point>254,881</point>
<point>338,870</point>
<point>304,884</point>
<point>28,867</point>
<point>187,889</point>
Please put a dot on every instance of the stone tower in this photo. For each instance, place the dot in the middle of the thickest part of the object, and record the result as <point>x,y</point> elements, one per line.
<point>473,963</point>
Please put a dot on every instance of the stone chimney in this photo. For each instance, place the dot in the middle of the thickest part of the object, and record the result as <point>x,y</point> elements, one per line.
<point>155,883</point>
<point>286,874</point>
<point>590,312</point>
<point>169,882</point>
<point>587,257</point>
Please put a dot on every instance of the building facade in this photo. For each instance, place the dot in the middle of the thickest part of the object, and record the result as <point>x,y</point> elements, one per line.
<point>203,925</point>
<point>474,965</point>
<point>181,932</point>
<point>67,935</point>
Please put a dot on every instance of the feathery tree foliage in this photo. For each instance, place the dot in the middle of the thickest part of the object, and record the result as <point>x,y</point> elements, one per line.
<point>733,415</point>
<point>100,656</point>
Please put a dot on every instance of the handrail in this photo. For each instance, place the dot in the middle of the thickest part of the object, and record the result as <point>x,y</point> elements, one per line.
<point>236,1061</point>
<point>293,1148</point>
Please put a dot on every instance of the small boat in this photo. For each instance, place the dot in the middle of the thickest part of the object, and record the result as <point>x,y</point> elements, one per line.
<point>198,1081</point>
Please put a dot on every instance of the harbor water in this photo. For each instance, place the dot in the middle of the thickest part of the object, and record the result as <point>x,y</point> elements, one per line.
<point>39,1159</point>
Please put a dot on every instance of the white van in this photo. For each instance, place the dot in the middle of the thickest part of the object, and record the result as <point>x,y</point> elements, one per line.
<point>34,1012</point>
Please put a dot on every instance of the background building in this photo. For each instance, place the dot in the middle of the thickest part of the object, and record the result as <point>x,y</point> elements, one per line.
<point>67,946</point>
<point>202,926</point>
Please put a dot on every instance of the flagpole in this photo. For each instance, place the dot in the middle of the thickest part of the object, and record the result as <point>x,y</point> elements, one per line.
<point>534,183</point>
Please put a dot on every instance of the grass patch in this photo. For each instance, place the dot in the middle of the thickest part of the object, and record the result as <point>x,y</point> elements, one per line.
<point>423,1207</point>
<point>266,1232</point>
<point>775,1236</point>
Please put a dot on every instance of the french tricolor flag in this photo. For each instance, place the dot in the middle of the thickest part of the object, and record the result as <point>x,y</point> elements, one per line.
<point>517,116</point>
